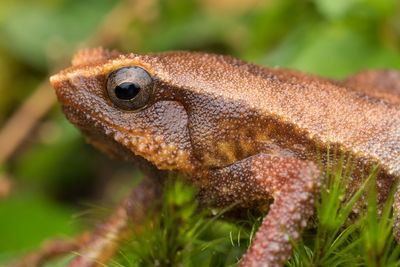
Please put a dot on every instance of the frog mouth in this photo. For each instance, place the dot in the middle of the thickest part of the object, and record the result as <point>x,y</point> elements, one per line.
<point>96,133</point>
<point>78,117</point>
<point>86,121</point>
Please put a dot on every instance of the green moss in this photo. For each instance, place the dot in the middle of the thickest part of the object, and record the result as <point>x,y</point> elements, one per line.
<point>181,235</point>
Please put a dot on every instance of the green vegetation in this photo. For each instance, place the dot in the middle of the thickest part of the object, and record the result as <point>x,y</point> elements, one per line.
<point>335,240</point>
<point>45,182</point>
<point>179,234</point>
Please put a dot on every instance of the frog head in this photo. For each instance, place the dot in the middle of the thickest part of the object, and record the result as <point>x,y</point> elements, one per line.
<point>178,110</point>
<point>115,100</point>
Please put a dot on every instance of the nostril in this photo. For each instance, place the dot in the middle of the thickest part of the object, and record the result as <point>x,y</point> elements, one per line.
<point>75,81</point>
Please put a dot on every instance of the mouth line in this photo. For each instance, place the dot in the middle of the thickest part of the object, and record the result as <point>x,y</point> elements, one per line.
<point>77,116</point>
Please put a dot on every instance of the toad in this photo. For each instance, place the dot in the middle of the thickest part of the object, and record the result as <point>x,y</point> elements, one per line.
<point>238,131</point>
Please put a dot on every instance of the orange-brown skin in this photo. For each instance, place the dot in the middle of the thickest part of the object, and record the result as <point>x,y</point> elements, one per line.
<point>240,131</point>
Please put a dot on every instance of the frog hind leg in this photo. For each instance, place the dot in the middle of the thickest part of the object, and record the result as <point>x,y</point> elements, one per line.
<point>290,181</point>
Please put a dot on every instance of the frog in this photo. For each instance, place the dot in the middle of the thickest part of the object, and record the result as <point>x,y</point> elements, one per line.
<point>240,132</point>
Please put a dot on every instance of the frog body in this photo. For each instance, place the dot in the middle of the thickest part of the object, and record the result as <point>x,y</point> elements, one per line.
<point>239,131</point>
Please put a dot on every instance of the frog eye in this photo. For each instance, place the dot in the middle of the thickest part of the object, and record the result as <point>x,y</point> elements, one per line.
<point>130,88</point>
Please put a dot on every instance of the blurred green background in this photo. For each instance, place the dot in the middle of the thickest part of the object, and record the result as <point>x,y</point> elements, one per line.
<point>53,174</point>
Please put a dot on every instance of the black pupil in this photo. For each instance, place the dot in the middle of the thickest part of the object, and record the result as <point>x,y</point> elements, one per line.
<point>127,90</point>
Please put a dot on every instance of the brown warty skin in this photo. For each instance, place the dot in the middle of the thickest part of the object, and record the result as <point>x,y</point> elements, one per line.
<point>239,131</point>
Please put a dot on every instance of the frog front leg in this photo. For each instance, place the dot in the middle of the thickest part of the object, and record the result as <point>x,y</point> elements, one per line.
<point>289,181</point>
<point>101,244</point>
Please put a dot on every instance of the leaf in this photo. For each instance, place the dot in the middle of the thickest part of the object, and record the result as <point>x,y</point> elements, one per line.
<point>31,30</point>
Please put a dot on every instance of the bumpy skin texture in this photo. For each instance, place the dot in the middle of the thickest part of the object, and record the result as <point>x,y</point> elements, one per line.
<point>241,131</point>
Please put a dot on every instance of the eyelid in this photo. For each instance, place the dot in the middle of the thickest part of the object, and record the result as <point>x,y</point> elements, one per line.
<point>134,74</point>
